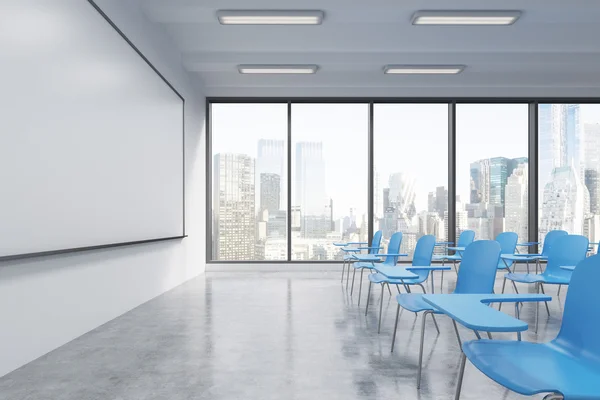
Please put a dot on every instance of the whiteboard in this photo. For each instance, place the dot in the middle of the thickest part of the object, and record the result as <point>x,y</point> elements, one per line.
<point>91,135</point>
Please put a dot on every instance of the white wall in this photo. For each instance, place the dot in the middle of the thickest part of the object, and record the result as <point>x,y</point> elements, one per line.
<point>46,302</point>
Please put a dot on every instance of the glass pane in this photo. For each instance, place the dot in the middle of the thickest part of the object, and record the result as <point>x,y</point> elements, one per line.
<point>491,169</point>
<point>330,178</point>
<point>569,169</point>
<point>411,172</point>
<point>249,188</point>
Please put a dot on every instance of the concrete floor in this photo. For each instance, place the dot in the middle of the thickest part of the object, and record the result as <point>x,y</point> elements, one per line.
<point>260,336</point>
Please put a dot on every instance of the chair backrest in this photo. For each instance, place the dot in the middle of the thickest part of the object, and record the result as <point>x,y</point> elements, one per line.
<point>477,272</point>
<point>508,245</point>
<point>566,250</point>
<point>581,318</point>
<point>376,242</point>
<point>550,239</point>
<point>393,248</point>
<point>466,238</point>
<point>423,254</point>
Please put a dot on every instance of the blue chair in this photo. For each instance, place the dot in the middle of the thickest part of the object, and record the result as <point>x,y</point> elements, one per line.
<point>508,244</point>
<point>477,275</point>
<point>391,258</point>
<point>373,249</point>
<point>548,241</point>
<point>421,258</point>
<point>565,250</point>
<point>350,251</point>
<point>568,367</point>
<point>465,239</point>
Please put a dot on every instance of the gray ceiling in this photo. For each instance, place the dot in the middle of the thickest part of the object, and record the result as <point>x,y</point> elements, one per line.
<point>553,50</point>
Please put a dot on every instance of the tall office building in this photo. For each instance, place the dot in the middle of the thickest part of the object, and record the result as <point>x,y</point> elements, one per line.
<point>402,193</point>
<point>560,139</point>
<point>386,199</point>
<point>480,182</point>
<point>565,202</point>
<point>489,177</point>
<point>516,207</point>
<point>234,207</point>
<point>591,151</point>
<point>377,201</point>
<point>441,200</point>
<point>310,193</point>
<point>270,192</point>
<point>271,156</point>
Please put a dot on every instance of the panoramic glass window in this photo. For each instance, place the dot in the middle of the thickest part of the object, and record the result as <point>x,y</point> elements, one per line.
<point>329,178</point>
<point>569,169</point>
<point>249,182</point>
<point>491,169</point>
<point>411,172</point>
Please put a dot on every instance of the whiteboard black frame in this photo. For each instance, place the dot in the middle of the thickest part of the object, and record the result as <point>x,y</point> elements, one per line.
<point>129,243</point>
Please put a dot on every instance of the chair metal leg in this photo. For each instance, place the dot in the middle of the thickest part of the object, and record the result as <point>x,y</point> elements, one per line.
<point>352,287</point>
<point>515,287</point>
<point>435,322</point>
<point>421,348</point>
<point>381,308</point>
<point>343,270</point>
<point>518,317</point>
<point>455,268</point>
<point>503,286</point>
<point>559,287</point>
<point>348,276</point>
<point>489,335</point>
<point>527,266</point>
<point>442,283</point>
<point>461,374</point>
<point>457,334</point>
<point>546,303</point>
<point>395,328</point>
<point>477,334</point>
<point>388,288</point>
<point>537,309</point>
<point>422,287</point>
<point>360,285</point>
<point>368,297</point>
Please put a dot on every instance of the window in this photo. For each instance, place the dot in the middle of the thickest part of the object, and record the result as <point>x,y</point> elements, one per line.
<point>569,169</point>
<point>249,182</point>
<point>329,178</point>
<point>492,169</point>
<point>411,171</point>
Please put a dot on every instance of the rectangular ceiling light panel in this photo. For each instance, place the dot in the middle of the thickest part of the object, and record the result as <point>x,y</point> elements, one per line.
<point>277,69</point>
<point>270,17</point>
<point>465,17</point>
<point>423,69</point>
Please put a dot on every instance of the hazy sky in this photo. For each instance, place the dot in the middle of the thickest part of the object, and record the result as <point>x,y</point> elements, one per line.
<point>409,138</point>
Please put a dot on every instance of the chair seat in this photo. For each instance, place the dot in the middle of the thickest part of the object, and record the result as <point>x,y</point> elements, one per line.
<point>454,257</point>
<point>534,278</point>
<point>380,278</point>
<point>414,302</point>
<point>531,368</point>
<point>363,265</point>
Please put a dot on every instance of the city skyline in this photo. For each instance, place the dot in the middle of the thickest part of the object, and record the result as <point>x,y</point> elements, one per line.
<point>496,199</point>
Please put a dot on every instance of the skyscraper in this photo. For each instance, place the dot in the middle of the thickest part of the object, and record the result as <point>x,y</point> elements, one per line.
<point>402,193</point>
<point>516,207</point>
<point>310,194</point>
<point>271,156</point>
<point>489,177</point>
<point>377,202</point>
<point>560,139</point>
<point>565,202</point>
<point>441,200</point>
<point>591,151</point>
<point>234,207</point>
<point>270,192</point>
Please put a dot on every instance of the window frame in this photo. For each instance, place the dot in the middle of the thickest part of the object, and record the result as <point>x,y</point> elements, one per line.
<point>533,199</point>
